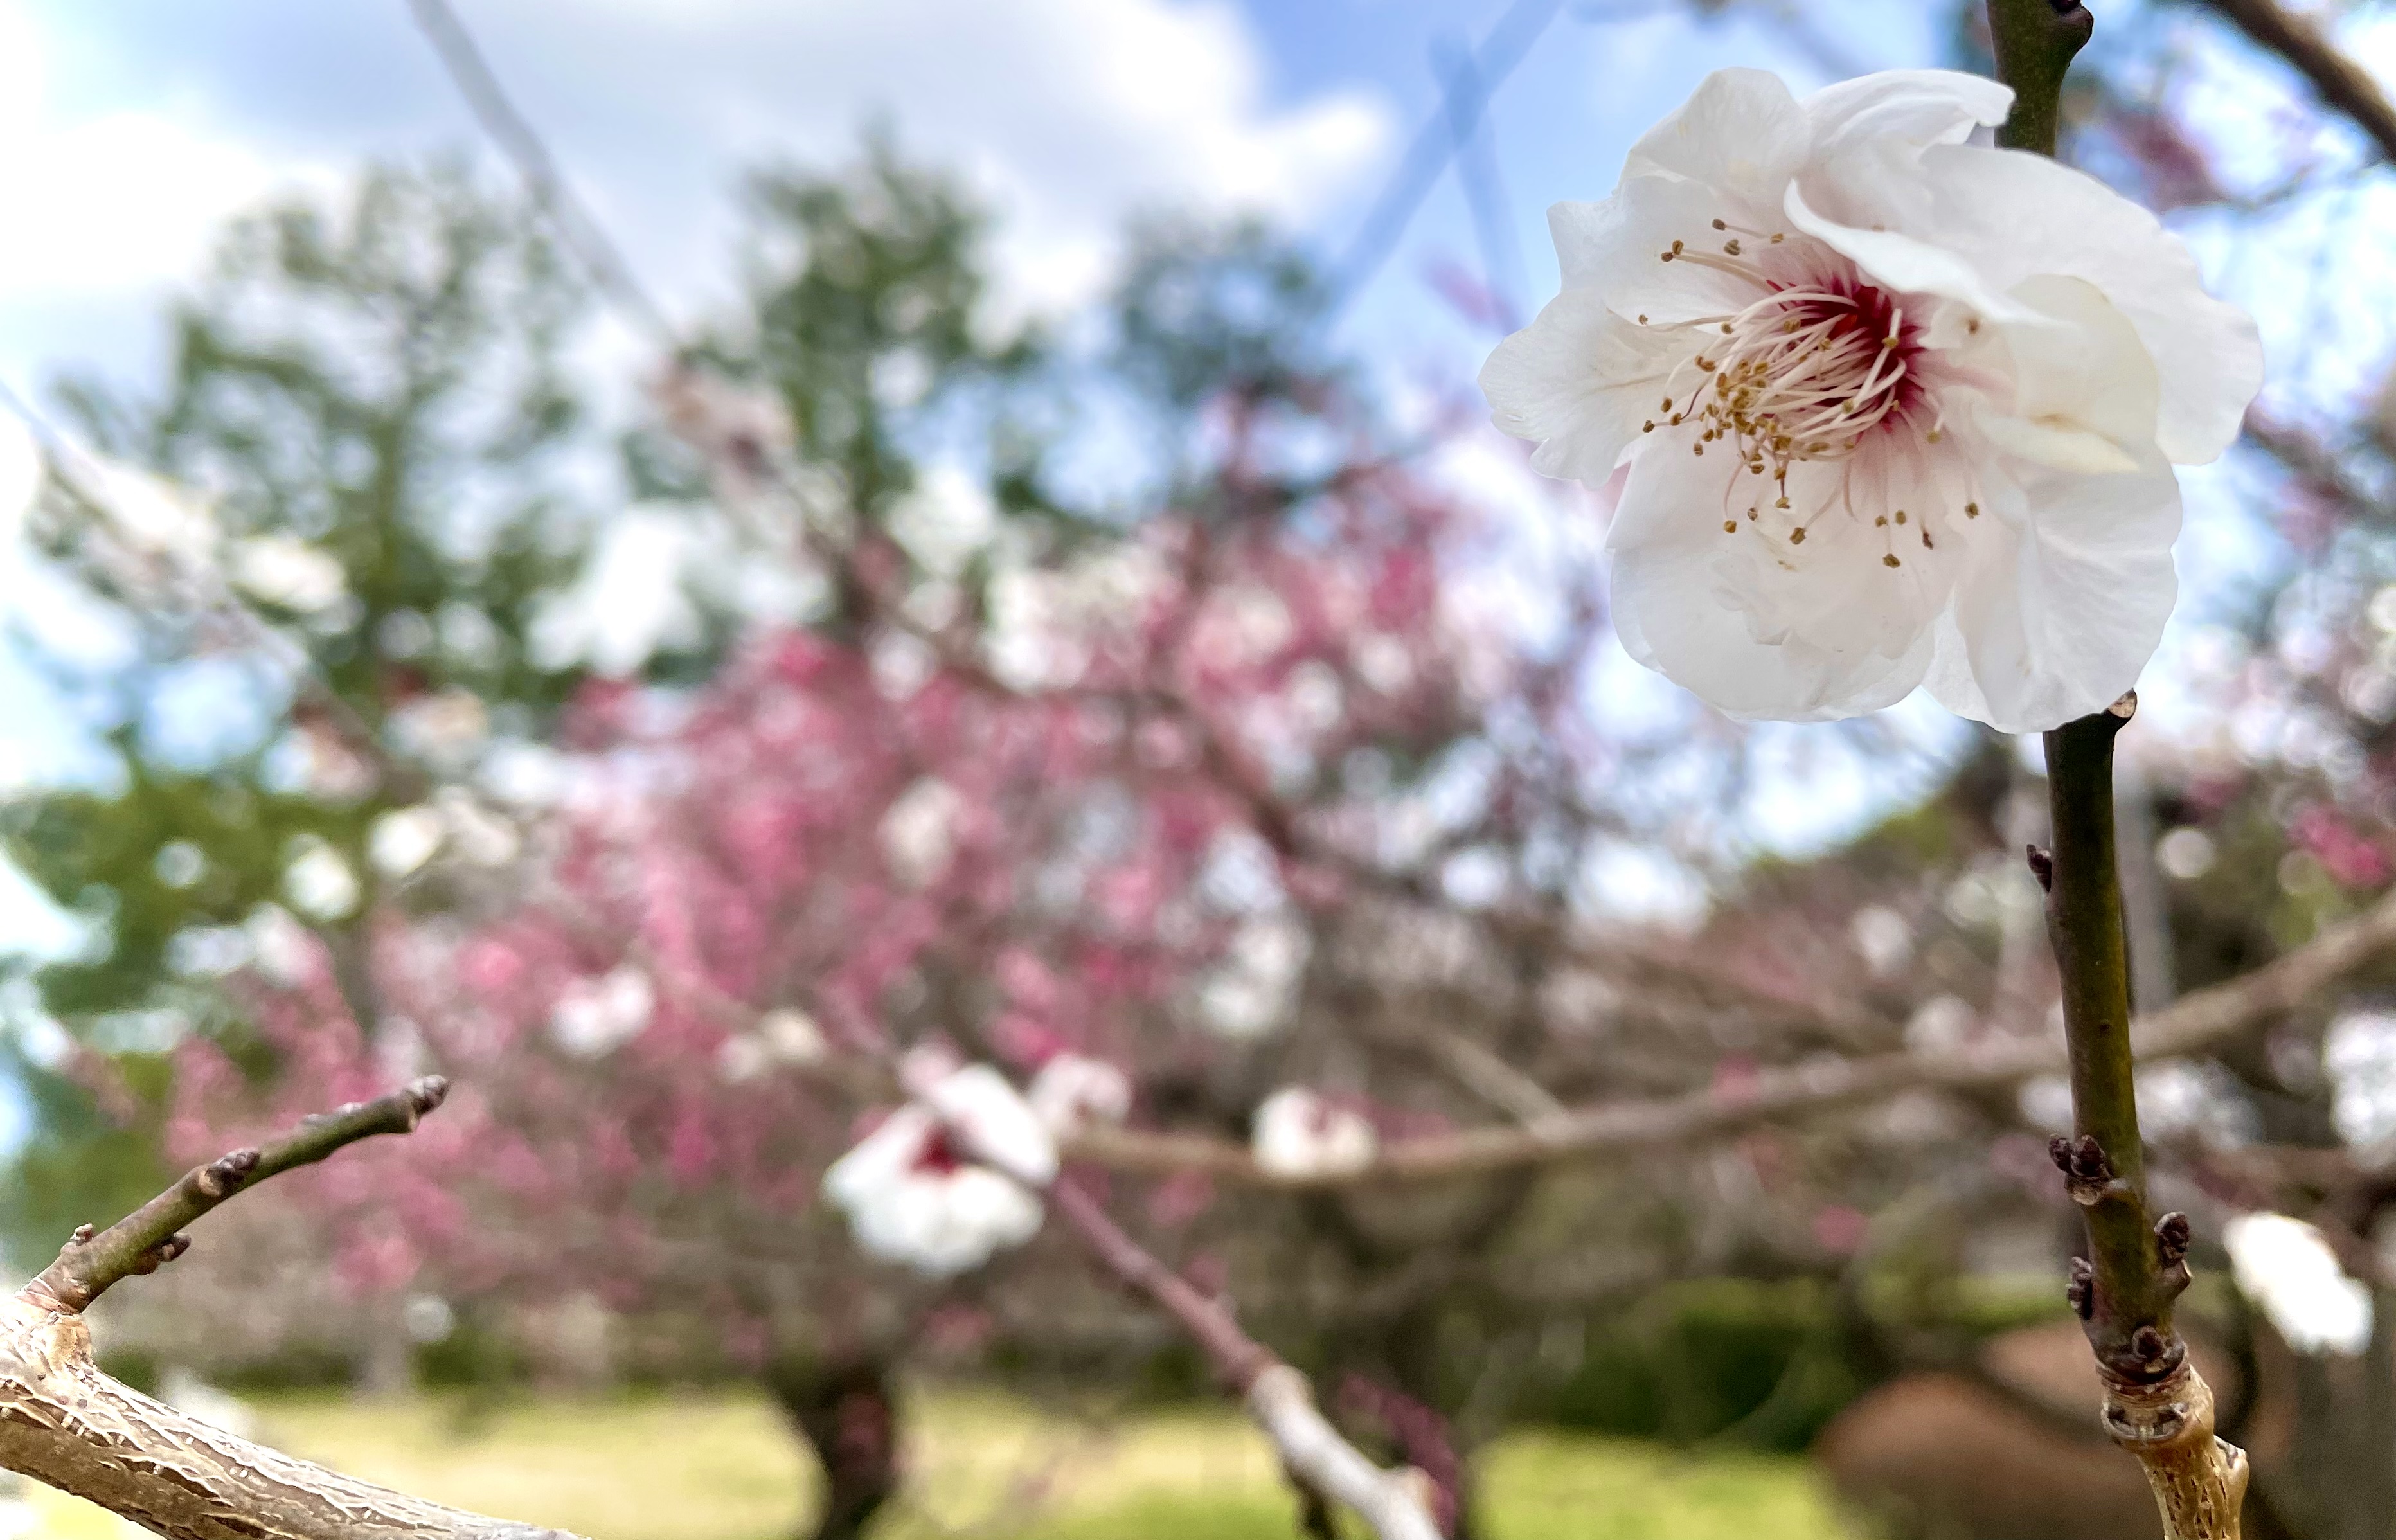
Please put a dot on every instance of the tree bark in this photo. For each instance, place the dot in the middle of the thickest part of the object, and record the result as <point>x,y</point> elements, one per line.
<point>63,1422</point>
<point>846,1408</point>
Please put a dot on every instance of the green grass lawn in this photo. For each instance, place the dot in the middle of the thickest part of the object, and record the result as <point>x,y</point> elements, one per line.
<point>719,1467</point>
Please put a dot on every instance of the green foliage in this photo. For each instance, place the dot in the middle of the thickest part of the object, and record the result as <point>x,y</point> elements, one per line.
<point>386,382</point>
<point>1709,1358</point>
<point>869,318</point>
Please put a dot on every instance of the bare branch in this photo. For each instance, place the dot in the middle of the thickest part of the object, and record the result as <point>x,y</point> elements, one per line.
<point>151,1236</point>
<point>2156,1406</point>
<point>2193,1024</point>
<point>2344,86</point>
<point>1323,1464</point>
<point>63,1422</point>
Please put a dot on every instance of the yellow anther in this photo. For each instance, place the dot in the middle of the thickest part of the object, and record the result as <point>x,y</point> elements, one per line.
<point>1890,561</point>
<point>1797,536</point>
<point>1730,526</point>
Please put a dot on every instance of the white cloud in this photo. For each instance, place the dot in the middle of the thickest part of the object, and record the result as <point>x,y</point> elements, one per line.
<point>105,201</point>
<point>1065,113</point>
<point>134,133</point>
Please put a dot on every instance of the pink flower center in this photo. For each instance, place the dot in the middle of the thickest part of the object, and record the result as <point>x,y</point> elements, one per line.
<point>1819,363</point>
<point>938,1155</point>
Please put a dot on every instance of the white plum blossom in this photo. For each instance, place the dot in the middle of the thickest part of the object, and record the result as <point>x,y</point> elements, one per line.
<point>791,1036</point>
<point>404,839</point>
<point>288,572</point>
<point>947,1181</point>
<point>2288,1270</point>
<point>991,1119</point>
<point>911,1200</point>
<point>1296,1132</point>
<point>1070,1094</point>
<point>1888,405</point>
<point>596,1016</point>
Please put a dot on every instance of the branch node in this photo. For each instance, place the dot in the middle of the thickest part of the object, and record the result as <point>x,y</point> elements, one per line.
<point>83,1234</point>
<point>2042,866</point>
<point>224,1174</point>
<point>2080,1289</point>
<point>2087,1175</point>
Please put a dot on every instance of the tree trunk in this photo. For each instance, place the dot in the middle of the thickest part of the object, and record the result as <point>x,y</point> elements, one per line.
<point>846,1408</point>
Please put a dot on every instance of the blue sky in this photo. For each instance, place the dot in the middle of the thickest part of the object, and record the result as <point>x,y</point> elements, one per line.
<point>141,122</point>
<point>137,128</point>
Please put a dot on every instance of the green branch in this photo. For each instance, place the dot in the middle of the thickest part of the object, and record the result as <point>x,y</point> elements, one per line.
<point>2035,41</point>
<point>2138,1268</point>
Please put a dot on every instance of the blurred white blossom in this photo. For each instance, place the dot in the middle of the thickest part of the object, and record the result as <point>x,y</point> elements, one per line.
<point>1297,1133</point>
<point>910,1198</point>
<point>596,1016</point>
<point>2288,1270</point>
<point>1072,1092</point>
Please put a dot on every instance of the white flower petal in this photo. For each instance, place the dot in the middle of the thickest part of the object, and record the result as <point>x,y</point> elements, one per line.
<point>2016,215</point>
<point>993,1122</point>
<point>1579,381</point>
<point>1758,626</point>
<point>1910,108</point>
<point>2085,391</point>
<point>1617,248</point>
<point>1740,133</point>
<point>1902,262</point>
<point>2069,600</point>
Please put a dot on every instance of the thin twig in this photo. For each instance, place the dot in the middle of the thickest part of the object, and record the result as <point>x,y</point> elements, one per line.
<point>2196,1023</point>
<point>1321,1465</point>
<point>151,1235</point>
<point>488,101</point>
<point>2340,82</point>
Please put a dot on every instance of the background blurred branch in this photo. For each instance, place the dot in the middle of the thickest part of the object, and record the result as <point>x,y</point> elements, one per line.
<point>2340,82</point>
<point>1324,1464</point>
<point>2195,1023</point>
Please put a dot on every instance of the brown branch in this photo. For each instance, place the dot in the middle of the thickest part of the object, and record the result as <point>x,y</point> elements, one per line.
<point>2192,1025</point>
<point>2343,84</point>
<point>1322,1463</point>
<point>151,1235</point>
<point>65,1423</point>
